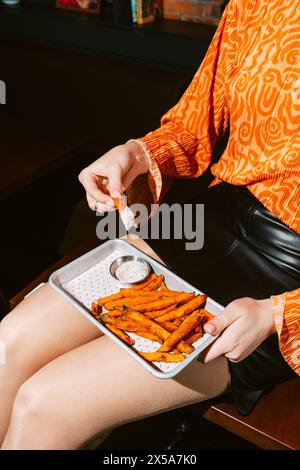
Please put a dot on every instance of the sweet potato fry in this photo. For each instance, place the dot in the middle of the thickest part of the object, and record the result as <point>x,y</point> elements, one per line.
<point>110,298</point>
<point>178,312</point>
<point>125,324</point>
<point>96,310</point>
<point>192,338</point>
<point>162,357</point>
<point>149,293</point>
<point>145,283</point>
<point>163,303</point>
<point>127,301</point>
<point>148,335</point>
<point>208,315</point>
<point>182,331</point>
<point>118,312</point>
<point>159,313</point>
<point>169,326</point>
<point>163,286</point>
<point>156,329</point>
<point>178,321</point>
<point>155,283</point>
<point>123,336</point>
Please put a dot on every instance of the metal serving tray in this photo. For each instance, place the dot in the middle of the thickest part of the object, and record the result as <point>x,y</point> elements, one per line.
<point>87,278</point>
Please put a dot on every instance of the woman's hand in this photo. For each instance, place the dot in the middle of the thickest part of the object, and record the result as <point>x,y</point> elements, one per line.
<point>245,323</point>
<point>110,175</point>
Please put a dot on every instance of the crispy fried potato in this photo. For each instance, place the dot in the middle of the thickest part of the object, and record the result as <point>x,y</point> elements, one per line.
<point>183,310</point>
<point>96,310</point>
<point>156,329</point>
<point>162,357</point>
<point>163,286</point>
<point>159,313</point>
<point>110,298</point>
<point>125,324</point>
<point>208,316</point>
<point>145,283</point>
<point>192,338</point>
<point>123,336</point>
<point>169,326</point>
<point>118,312</point>
<point>182,331</point>
<point>163,303</point>
<point>148,335</point>
<point>155,283</point>
<point>127,301</point>
<point>149,293</point>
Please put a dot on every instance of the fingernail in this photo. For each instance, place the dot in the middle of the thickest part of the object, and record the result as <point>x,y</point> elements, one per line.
<point>115,193</point>
<point>210,328</point>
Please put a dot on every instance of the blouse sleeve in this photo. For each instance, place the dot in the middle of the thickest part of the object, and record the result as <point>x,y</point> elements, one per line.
<point>286,308</point>
<point>182,146</point>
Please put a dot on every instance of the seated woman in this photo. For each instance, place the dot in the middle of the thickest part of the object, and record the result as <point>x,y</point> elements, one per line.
<point>63,383</point>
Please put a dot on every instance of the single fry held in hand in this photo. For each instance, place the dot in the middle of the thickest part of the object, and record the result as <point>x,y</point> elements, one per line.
<point>150,310</point>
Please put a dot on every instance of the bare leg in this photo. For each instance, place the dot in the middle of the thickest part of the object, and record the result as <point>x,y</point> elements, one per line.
<point>41,328</point>
<point>96,387</point>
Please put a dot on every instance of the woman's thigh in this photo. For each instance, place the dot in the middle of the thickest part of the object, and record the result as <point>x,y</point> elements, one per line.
<point>41,328</point>
<point>99,386</point>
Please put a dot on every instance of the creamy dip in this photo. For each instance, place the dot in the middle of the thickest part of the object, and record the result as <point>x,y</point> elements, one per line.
<point>131,271</point>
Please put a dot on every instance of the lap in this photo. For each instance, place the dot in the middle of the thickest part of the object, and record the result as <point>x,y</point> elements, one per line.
<point>99,386</point>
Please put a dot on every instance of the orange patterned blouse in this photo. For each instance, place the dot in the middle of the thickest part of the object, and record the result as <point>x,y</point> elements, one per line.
<point>250,79</point>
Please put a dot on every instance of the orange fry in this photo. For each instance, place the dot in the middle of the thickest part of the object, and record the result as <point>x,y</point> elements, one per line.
<point>163,286</point>
<point>149,293</point>
<point>159,313</point>
<point>155,283</point>
<point>118,312</point>
<point>208,315</point>
<point>125,324</point>
<point>96,310</point>
<point>148,335</point>
<point>123,336</point>
<point>156,329</point>
<point>169,326</point>
<point>182,331</point>
<point>183,310</point>
<point>110,298</point>
<point>127,301</point>
<point>162,357</point>
<point>145,283</point>
<point>163,303</point>
<point>192,338</point>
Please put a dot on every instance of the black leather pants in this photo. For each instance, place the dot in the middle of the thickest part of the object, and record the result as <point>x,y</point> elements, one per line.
<point>247,252</point>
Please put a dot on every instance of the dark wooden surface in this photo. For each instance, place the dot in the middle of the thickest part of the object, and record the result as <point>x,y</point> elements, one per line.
<point>275,422</point>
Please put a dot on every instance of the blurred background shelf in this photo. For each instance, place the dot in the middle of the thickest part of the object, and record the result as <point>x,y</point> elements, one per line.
<point>164,43</point>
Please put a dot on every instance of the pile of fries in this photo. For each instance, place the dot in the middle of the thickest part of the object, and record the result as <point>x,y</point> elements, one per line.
<point>151,310</point>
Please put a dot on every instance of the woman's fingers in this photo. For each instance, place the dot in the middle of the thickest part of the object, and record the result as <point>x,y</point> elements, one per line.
<point>222,321</point>
<point>114,175</point>
<point>219,348</point>
<point>90,183</point>
<point>217,325</point>
<point>98,206</point>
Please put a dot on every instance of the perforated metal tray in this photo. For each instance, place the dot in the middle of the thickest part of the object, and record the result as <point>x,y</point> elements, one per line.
<point>87,278</point>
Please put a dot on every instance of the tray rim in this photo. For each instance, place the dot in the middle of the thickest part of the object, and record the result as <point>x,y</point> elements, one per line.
<point>208,339</point>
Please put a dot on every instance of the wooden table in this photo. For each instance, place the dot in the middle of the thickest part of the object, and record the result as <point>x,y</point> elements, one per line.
<point>274,423</point>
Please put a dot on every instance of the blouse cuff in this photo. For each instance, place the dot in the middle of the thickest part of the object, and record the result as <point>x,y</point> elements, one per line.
<point>286,309</point>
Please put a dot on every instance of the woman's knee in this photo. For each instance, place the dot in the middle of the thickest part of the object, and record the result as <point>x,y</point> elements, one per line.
<point>31,407</point>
